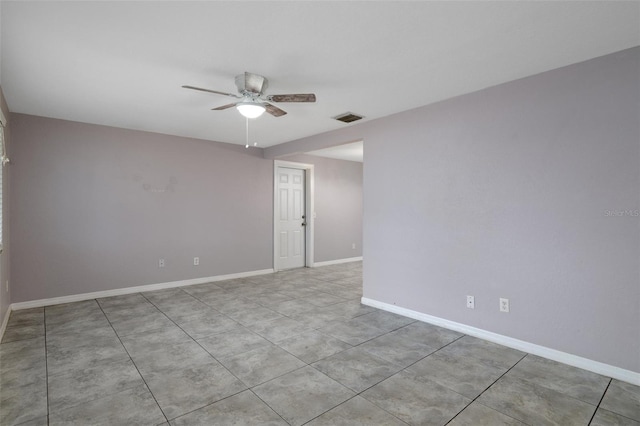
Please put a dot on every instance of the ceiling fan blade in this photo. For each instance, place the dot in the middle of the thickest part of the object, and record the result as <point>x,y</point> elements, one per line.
<point>300,97</point>
<point>211,91</point>
<point>220,108</point>
<point>254,83</point>
<point>274,110</point>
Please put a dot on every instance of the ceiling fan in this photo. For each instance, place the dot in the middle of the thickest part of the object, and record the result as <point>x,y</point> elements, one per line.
<point>253,101</point>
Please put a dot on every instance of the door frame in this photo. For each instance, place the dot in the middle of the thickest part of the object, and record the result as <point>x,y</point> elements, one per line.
<point>309,209</point>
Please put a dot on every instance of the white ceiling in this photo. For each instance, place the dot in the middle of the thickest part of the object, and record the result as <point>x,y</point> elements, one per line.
<point>350,151</point>
<point>122,63</point>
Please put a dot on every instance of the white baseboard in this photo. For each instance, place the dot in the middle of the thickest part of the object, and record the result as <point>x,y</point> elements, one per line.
<point>129,290</point>
<point>542,351</point>
<point>5,321</point>
<point>337,261</point>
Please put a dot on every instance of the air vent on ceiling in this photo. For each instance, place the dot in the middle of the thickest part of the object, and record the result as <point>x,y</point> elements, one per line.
<point>348,117</point>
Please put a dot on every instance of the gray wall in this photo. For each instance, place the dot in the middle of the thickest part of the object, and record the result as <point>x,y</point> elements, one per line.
<point>95,207</point>
<point>516,191</point>
<point>338,205</point>
<point>5,295</point>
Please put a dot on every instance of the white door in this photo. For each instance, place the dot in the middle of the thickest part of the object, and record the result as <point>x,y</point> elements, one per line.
<point>291,219</point>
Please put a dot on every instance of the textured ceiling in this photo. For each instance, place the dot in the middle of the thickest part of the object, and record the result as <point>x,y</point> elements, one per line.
<point>122,63</point>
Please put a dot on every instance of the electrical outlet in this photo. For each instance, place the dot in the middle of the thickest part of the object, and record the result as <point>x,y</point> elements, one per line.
<point>353,246</point>
<point>161,263</point>
<point>471,302</point>
<point>196,261</point>
<point>504,305</point>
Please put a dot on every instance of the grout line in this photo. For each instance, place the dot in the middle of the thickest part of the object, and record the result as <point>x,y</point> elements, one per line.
<point>437,350</point>
<point>344,402</point>
<point>210,404</point>
<point>265,402</point>
<point>204,349</point>
<point>487,388</point>
<point>268,286</point>
<point>132,361</point>
<point>248,388</point>
<point>402,370</point>
<point>119,337</point>
<point>46,358</point>
<point>600,401</point>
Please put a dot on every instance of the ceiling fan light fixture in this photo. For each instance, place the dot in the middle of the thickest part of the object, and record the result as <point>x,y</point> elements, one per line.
<point>250,109</point>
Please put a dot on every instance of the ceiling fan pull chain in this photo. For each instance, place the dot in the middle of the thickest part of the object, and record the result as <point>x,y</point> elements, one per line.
<point>247,132</point>
<point>246,145</point>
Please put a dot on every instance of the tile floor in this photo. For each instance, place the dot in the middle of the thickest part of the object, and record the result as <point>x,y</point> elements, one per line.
<point>294,348</point>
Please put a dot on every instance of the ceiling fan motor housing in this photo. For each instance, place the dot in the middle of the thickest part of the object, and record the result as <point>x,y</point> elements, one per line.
<point>251,83</point>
